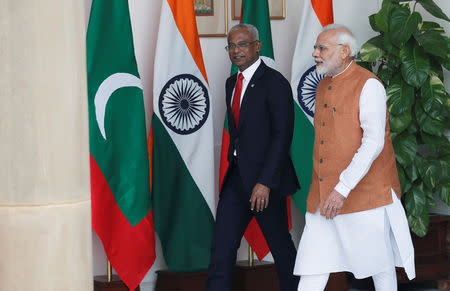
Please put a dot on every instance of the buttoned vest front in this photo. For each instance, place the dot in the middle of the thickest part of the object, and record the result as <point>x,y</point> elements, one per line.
<point>338,136</point>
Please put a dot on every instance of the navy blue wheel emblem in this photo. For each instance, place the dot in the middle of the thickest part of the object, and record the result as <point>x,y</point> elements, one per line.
<point>306,90</point>
<point>184,104</point>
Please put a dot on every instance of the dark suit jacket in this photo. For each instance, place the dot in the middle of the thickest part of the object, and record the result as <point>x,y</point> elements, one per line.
<point>263,137</point>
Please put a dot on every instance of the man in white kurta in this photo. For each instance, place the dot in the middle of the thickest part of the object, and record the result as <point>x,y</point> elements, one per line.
<point>370,242</point>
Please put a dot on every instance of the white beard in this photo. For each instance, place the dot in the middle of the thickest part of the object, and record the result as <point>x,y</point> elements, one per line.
<point>328,67</point>
<point>322,70</point>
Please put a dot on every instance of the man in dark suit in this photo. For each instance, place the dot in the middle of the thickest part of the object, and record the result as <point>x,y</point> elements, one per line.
<point>260,174</point>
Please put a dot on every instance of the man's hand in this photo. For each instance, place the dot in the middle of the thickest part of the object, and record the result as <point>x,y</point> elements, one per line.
<point>260,197</point>
<point>332,205</point>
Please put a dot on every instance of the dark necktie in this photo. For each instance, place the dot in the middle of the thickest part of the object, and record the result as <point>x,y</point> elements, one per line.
<point>237,99</point>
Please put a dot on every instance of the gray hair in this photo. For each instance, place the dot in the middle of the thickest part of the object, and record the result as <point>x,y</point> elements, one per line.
<point>344,36</point>
<point>250,28</point>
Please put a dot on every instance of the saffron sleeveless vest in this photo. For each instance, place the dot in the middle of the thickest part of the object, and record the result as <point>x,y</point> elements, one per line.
<point>338,136</point>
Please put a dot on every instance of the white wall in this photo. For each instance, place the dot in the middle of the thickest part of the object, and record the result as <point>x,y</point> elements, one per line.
<point>145,20</point>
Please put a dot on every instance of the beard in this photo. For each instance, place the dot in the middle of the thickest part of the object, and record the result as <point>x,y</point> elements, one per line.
<point>328,67</point>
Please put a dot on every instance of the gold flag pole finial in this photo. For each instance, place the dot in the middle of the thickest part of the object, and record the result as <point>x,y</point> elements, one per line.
<point>108,270</point>
<point>250,256</point>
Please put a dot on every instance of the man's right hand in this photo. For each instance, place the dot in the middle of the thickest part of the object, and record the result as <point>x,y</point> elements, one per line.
<point>332,205</point>
<point>260,197</point>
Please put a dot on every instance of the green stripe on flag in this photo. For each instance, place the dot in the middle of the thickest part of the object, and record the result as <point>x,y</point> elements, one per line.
<point>301,153</point>
<point>256,12</point>
<point>185,239</point>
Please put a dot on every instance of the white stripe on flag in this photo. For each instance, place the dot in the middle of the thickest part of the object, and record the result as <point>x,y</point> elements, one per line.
<point>173,58</point>
<point>310,28</point>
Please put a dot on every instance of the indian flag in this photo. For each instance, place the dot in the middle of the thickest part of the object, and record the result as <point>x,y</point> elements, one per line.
<point>183,158</point>
<point>120,180</point>
<point>315,15</point>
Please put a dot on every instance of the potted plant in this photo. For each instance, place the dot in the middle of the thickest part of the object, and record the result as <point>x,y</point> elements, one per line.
<point>408,56</point>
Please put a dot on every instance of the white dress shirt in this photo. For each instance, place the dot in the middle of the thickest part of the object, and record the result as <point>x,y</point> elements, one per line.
<point>248,74</point>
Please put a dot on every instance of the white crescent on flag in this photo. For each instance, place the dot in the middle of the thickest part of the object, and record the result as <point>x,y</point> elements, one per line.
<point>106,89</point>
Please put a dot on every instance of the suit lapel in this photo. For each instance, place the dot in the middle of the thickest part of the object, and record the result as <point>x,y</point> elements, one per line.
<point>249,92</point>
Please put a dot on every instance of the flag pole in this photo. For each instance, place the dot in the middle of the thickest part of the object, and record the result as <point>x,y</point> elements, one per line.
<point>108,270</point>
<point>250,256</point>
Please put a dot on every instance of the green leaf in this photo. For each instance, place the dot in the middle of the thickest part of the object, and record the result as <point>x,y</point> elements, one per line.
<point>402,24</point>
<point>419,224</point>
<point>382,17</point>
<point>413,127</point>
<point>432,42</point>
<point>371,51</point>
<point>415,201</point>
<point>393,135</point>
<point>418,162</point>
<point>427,123</point>
<point>431,26</point>
<point>415,65</point>
<point>436,67</point>
<point>433,9</point>
<point>402,177</point>
<point>430,173</point>
<point>384,74</point>
<point>416,207</point>
<point>398,1</point>
<point>443,190</point>
<point>405,148</point>
<point>411,171</point>
<point>400,97</point>
<point>400,122</point>
<point>407,187</point>
<point>373,23</point>
<point>446,61</point>
<point>389,47</point>
<point>405,182</point>
<point>430,199</point>
<point>377,41</point>
<point>433,97</point>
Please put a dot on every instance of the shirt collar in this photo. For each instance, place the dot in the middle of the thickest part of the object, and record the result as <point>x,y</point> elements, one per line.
<point>343,70</point>
<point>248,73</point>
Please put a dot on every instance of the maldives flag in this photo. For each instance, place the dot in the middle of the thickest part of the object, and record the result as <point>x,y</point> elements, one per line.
<point>316,14</point>
<point>183,157</point>
<point>255,12</point>
<point>120,179</point>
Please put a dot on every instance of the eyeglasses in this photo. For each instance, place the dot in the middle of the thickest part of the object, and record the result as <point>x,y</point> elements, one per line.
<point>322,47</point>
<point>241,45</point>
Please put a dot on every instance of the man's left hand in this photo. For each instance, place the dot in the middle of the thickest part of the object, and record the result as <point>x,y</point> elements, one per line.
<point>260,197</point>
<point>332,205</point>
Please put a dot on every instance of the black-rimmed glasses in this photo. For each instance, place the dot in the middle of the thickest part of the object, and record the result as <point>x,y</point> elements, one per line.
<point>241,45</point>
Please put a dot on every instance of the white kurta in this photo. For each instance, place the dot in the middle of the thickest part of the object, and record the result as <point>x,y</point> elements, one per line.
<point>367,242</point>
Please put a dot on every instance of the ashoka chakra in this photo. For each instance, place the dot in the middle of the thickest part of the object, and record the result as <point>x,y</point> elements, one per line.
<point>184,104</point>
<point>306,90</point>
